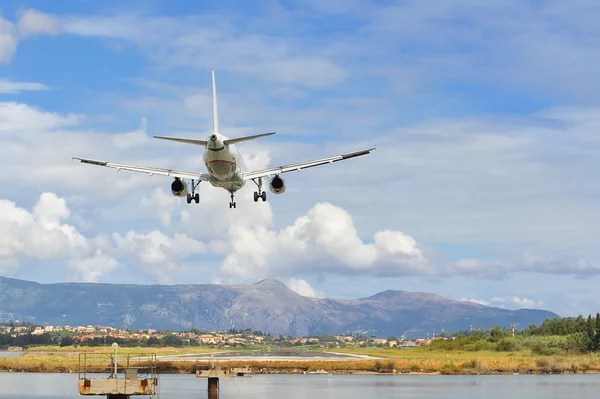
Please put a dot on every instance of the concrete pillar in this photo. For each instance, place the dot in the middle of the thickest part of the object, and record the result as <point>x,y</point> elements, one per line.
<point>213,384</point>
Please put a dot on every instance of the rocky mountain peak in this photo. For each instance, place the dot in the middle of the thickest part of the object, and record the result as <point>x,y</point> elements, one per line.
<point>270,280</point>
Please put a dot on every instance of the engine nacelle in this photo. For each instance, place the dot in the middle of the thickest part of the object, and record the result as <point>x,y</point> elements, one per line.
<point>179,188</point>
<point>277,185</point>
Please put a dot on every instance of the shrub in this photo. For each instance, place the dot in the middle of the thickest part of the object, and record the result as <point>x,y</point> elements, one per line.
<point>508,345</point>
<point>450,369</point>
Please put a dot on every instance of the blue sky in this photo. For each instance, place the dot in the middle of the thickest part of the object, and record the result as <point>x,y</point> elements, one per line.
<point>484,115</point>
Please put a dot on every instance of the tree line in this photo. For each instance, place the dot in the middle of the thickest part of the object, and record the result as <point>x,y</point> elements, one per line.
<point>553,336</point>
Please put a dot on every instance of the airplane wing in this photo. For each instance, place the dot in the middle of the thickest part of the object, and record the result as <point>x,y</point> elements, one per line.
<point>303,165</point>
<point>145,169</point>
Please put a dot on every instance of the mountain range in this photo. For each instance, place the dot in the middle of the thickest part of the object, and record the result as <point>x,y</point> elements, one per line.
<point>268,306</point>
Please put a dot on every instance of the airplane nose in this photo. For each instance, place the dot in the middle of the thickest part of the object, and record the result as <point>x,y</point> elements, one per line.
<point>213,137</point>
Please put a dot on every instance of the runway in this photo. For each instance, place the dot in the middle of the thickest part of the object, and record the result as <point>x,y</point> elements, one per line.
<point>268,356</point>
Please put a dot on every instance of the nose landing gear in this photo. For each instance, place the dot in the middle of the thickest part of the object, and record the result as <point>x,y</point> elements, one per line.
<point>232,203</point>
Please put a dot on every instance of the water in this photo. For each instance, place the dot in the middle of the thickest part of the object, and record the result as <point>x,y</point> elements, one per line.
<point>64,386</point>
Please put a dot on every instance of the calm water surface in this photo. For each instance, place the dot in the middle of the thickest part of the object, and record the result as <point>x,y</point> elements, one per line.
<point>64,386</point>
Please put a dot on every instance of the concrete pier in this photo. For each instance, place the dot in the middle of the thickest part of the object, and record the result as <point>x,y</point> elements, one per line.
<point>219,369</point>
<point>213,383</point>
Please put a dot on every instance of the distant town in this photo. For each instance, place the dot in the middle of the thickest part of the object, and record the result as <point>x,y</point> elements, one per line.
<point>27,334</point>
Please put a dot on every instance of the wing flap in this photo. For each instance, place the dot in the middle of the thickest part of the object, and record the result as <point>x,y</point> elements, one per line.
<point>145,169</point>
<point>304,165</point>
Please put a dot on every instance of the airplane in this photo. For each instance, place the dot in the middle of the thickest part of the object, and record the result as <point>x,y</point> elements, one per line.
<point>225,165</point>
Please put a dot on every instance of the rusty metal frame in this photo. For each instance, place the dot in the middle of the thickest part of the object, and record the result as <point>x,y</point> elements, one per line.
<point>91,364</point>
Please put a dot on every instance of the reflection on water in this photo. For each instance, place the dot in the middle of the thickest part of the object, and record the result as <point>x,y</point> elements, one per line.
<point>64,386</point>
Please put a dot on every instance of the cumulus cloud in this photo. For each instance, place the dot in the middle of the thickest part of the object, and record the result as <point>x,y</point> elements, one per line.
<point>133,139</point>
<point>43,235</point>
<point>92,267</point>
<point>323,240</point>
<point>160,254</point>
<point>303,288</point>
<point>162,204</point>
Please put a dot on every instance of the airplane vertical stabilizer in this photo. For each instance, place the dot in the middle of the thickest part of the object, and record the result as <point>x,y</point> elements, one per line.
<point>215,111</point>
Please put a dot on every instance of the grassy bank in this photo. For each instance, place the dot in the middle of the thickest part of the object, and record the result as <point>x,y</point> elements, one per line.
<point>414,360</point>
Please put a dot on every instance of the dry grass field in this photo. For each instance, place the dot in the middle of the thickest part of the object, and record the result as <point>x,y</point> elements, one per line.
<point>413,360</point>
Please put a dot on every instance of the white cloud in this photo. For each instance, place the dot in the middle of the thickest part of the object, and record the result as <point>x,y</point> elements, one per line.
<point>516,301</point>
<point>161,204</point>
<point>156,247</point>
<point>8,40</point>
<point>9,87</point>
<point>160,255</point>
<point>506,301</point>
<point>324,240</point>
<point>43,235</point>
<point>502,269</point>
<point>33,22</point>
<point>136,138</point>
<point>184,41</point>
<point>17,118</point>
<point>93,267</point>
<point>545,48</point>
<point>303,288</point>
<point>479,301</point>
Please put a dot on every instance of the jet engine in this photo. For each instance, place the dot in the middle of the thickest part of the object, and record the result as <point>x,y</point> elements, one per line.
<point>179,188</point>
<point>277,185</point>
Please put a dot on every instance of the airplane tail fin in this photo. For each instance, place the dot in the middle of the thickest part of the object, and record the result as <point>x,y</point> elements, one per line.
<point>246,138</point>
<point>215,126</point>
<point>215,121</point>
<point>215,111</point>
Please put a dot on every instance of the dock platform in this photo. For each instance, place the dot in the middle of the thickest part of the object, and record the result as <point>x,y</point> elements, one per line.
<point>101,374</point>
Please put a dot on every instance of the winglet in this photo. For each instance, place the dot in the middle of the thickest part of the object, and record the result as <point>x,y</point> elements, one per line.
<point>215,111</point>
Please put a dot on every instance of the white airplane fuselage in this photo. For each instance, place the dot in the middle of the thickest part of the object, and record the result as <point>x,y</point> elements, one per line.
<point>224,163</point>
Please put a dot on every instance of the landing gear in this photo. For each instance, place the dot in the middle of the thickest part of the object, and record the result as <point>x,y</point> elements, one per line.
<point>232,203</point>
<point>194,195</point>
<point>259,194</point>
<point>196,198</point>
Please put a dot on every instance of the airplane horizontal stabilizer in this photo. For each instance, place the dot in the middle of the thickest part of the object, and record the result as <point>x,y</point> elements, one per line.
<point>187,141</point>
<point>246,138</point>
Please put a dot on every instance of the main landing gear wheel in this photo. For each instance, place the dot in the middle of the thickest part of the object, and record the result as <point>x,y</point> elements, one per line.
<point>196,198</point>
<point>194,195</point>
<point>259,194</point>
<point>232,203</point>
